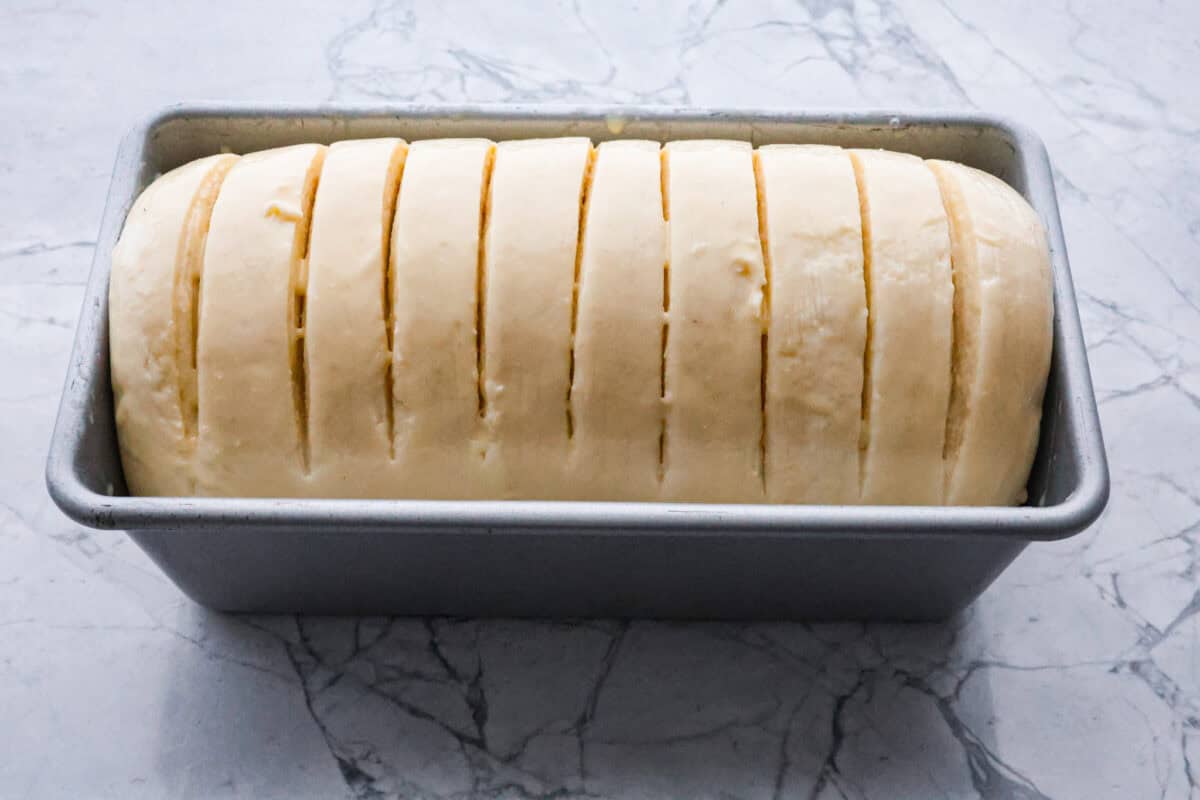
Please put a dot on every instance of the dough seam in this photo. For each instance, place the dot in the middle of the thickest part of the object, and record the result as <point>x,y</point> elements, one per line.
<point>960,390</point>
<point>392,186</point>
<point>485,213</point>
<point>864,210</point>
<point>189,273</point>
<point>297,342</point>
<point>764,314</point>
<point>585,191</point>
<point>664,174</point>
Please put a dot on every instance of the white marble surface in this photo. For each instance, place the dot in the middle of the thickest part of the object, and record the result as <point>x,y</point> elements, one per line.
<point>1076,676</point>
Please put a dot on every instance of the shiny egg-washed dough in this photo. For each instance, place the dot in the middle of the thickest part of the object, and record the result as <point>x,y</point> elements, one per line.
<point>698,322</point>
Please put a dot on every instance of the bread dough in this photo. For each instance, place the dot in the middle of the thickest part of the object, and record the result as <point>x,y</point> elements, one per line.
<point>346,343</point>
<point>435,256</point>
<point>818,323</point>
<point>713,435</point>
<point>910,301</point>
<point>615,396</point>
<point>529,276</point>
<point>151,320</point>
<point>1003,313</point>
<point>253,440</point>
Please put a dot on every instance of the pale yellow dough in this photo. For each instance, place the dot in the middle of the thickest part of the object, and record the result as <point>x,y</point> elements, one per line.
<point>252,428</point>
<point>541,319</point>
<point>910,302</point>
<point>712,446</point>
<point>1002,334</point>
<point>615,405</point>
<point>150,299</point>
<point>345,340</point>
<point>529,278</point>
<point>818,323</point>
<point>435,256</point>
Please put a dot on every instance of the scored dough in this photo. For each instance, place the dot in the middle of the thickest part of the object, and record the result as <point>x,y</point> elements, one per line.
<point>252,427</point>
<point>150,296</point>
<point>1003,313</point>
<point>615,400</point>
<point>818,324</point>
<point>435,255</point>
<point>541,319</point>
<point>910,301</point>
<point>713,432</point>
<point>529,276</point>
<point>345,330</point>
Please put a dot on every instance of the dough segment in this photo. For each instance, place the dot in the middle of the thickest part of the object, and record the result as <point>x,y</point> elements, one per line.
<point>910,304</point>
<point>151,312</point>
<point>712,444</point>
<point>817,329</point>
<point>1003,313</point>
<point>435,256</point>
<point>346,342</point>
<point>529,277</point>
<point>615,395</point>
<point>252,437</point>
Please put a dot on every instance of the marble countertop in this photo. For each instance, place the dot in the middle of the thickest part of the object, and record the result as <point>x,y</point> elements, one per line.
<point>1077,675</point>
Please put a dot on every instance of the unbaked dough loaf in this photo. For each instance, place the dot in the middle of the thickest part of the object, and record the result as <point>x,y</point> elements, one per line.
<point>528,282</point>
<point>542,319</point>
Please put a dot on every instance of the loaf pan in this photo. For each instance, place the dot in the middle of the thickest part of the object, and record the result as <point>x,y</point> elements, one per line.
<point>575,559</point>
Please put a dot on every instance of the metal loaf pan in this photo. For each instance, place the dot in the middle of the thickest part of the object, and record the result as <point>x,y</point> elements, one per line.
<point>579,559</point>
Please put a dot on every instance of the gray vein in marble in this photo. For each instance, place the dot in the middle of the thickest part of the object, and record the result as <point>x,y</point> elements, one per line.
<point>1076,675</point>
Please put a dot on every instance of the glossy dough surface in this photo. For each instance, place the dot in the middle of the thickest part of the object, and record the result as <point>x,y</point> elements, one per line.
<point>547,319</point>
